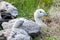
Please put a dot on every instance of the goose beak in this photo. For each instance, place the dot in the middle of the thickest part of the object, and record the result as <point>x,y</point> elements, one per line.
<point>45,14</point>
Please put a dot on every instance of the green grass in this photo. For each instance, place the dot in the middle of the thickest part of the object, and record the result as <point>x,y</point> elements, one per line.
<point>37,38</point>
<point>26,8</point>
<point>51,38</point>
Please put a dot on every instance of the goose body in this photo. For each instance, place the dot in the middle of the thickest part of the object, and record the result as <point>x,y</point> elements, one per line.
<point>29,25</point>
<point>18,34</point>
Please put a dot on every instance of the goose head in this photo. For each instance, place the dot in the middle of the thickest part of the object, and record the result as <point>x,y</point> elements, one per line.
<point>40,13</point>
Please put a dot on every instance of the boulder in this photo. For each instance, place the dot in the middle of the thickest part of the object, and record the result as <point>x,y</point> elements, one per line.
<point>7,11</point>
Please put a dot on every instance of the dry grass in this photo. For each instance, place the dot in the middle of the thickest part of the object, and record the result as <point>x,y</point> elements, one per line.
<point>52,32</point>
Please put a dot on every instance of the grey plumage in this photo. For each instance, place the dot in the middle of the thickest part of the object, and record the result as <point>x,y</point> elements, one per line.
<point>18,34</point>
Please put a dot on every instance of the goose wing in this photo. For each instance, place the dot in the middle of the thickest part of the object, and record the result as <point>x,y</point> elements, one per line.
<point>30,26</point>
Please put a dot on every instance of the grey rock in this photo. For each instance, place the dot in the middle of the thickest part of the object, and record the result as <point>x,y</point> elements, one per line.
<point>8,8</point>
<point>7,11</point>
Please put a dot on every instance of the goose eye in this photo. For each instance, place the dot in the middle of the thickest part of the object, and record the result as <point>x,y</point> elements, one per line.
<point>40,12</point>
<point>6,4</point>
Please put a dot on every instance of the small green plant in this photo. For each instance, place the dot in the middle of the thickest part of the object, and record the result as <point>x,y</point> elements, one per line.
<point>37,38</point>
<point>51,38</point>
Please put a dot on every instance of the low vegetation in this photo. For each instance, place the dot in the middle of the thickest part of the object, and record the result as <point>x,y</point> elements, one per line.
<point>26,9</point>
